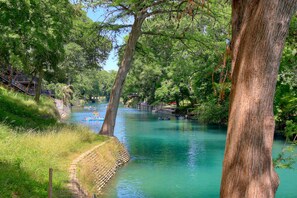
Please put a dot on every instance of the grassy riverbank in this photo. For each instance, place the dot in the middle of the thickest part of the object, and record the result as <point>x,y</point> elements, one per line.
<point>32,141</point>
<point>20,110</point>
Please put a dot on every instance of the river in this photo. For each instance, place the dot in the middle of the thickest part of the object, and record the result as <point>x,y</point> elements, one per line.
<point>172,158</point>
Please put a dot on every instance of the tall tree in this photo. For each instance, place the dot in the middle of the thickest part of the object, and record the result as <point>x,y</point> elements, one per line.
<point>110,117</point>
<point>86,50</point>
<point>259,29</point>
<point>139,11</point>
<point>96,47</point>
<point>51,23</point>
<point>14,27</point>
<point>174,61</point>
<point>34,32</point>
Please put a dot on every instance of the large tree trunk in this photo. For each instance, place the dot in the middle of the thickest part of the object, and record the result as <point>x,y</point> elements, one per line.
<point>111,112</point>
<point>258,34</point>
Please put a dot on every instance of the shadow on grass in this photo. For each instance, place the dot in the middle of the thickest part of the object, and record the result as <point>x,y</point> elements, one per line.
<point>16,114</point>
<point>15,182</point>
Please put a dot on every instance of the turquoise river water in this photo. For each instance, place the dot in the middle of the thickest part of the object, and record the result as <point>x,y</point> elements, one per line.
<point>173,158</point>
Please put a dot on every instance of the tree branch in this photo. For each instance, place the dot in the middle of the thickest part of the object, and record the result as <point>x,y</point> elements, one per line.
<point>127,9</point>
<point>155,4</point>
<point>163,34</point>
<point>181,37</point>
<point>160,12</point>
<point>114,26</point>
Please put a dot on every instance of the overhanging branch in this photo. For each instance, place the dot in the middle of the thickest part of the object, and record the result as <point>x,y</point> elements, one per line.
<point>108,26</point>
<point>182,38</point>
<point>161,12</point>
<point>164,34</point>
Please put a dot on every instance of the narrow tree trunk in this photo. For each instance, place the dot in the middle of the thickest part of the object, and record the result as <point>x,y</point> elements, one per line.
<point>11,77</point>
<point>258,34</point>
<point>177,102</point>
<point>32,78</point>
<point>111,112</point>
<point>39,84</point>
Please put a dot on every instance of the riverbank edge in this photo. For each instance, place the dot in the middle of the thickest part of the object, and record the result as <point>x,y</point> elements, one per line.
<point>98,165</point>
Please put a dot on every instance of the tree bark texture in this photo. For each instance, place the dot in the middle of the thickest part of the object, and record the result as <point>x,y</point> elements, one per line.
<point>259,28</point>
<point>111,112</point>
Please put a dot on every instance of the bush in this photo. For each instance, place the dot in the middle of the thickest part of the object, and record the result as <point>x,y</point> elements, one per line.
<point>211,112</point>
<point>291,130</point>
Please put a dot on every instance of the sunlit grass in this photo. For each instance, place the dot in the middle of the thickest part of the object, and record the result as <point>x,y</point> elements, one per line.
<point>34,153</point>
<point>32,141</point>
<point>20,110</point>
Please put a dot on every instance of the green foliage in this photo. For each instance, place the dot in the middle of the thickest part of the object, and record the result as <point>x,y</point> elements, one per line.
<point>287,158</point>
<point>184,60</point>
<point>81,66</point>
<point>96,47</point>
<point>13,19</point>
<point>34,31</point>
<point>175,60</point>
<point>74,63</point>
<point>291,130</point>
<point>286,91</point>
<point>212,112</point>
<point>51,39</point>
<point>92,82</point>
<point>32,34</point>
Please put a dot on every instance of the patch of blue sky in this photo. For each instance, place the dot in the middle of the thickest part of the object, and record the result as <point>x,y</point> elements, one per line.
<point>100,15</point>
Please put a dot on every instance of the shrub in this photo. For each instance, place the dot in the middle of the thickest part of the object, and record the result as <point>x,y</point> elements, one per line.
<point>212,112</point>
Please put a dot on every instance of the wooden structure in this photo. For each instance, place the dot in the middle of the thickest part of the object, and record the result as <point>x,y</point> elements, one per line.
<point>21,82</point>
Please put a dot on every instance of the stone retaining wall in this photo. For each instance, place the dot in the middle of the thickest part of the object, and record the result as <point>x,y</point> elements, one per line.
<point>95,168</point>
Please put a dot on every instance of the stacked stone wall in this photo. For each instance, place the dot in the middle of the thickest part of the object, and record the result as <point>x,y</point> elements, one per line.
<point>96,167</point>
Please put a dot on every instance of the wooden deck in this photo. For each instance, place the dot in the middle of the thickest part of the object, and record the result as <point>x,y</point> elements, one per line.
<point>21,82</point>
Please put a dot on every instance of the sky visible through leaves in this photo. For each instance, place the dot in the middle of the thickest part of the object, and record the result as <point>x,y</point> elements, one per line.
<point>111,63</point>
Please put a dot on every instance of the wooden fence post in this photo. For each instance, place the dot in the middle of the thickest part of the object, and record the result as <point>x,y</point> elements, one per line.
<point>50,183</point>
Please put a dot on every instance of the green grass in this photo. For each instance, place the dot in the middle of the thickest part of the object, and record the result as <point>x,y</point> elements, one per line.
<point>32,141</point>
<point>19,110</point>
